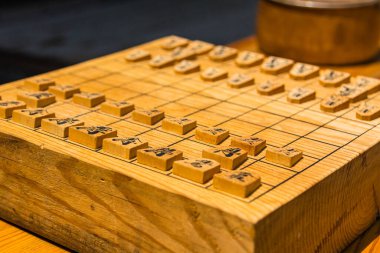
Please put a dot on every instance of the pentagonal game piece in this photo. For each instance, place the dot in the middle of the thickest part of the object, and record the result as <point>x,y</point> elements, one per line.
<point>353,92</point>
<point>222,53</point>
<point>302,71</point>
<point>138,55</point>
<point>368,112</point>
<point>239,183</point>
<point>212,135</point>
<point>64,91</point>
<point>161,61</point>
<point>251,144</point>
<point>332,78</point>
<point>301,95</point>
<point>270,88</point>
<point>60,126</point>
<point>240,80</point>
<point>88,99</point>
<point>213,74</point>
<point>31,117</point>
<point>187,67</point>
<point>124,147</point>
<point>229,157</point>
<point>371,85</point>
<point>285,156</point>
<point>183,53</point>
<point>7,107</point>
<point>173,42</point>
<point>37,99</point>
<point>179,125</point>
<point>200,47</point>
<point>38,84</point>
<point>117,109</point>
<point>91,136</point>
<point>248,59</point>
<point>276,65</point>
<point>197,170</point>
<point>160,158</point>
<point>334,103</point>
<point>149,117</point>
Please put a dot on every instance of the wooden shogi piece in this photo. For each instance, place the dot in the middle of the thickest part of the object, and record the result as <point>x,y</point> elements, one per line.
<point>161,158</point>
<point>212,135</point>
<point>270,88</point>
<point>213,74</point>
<point>60,126</point>
<point>197,170</point>
<point>276,65</point>
<point>302,71</point>
<point>38,84</point>
<point>161,61</point>
<point>149,117</point>
<point>31,117</point>
<point>200,47</point>
<point>91,136</point>
<point>372,85</point>
<point>240,183</point>
<point>37,99</point>
<point>246,59</point>
<point>222,53</point>
<point>172,42</point>
<point>334,103</point>
<point>301,95</point>
<point>88,99</point>
<point>332,78</point>
<point>353,92</point>
<point>187,67</point>
<point>229,157</point>
<point>253,145</point>
<point>179,125</point>
<point>368,112</point>
<point>287,156</point>
<point>64,91</point>
<point>240,80</point>
<point>117,109</point>
<point>125,147</point>
<point>138,55</point>
<point>7,107</point>
<point>183,53</point>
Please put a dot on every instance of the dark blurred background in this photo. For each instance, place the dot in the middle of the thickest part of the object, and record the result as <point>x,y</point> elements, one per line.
<point>38,36</point>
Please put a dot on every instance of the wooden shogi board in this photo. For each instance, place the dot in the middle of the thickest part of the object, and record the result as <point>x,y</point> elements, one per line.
<point>90,201</point>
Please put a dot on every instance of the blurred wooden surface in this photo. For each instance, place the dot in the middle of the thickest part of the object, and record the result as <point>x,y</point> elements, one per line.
<point>14,240</point>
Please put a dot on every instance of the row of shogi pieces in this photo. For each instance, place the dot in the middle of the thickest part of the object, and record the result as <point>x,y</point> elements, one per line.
<point>241,183</point>
<point>182,53</point>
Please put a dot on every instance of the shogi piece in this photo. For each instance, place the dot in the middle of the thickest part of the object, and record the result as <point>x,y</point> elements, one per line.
<point>332,78</point>
<point>276,65</point>
<point>7,107</point>
<point>138,55</point>
<point>64,91</point>
<point>179,125</point>
<point>284,156</point>
<point>31,117</point>
<point>251,144</point>
<point>222,53</point>
<point>160,158</point>
<point>37,99</point>
<point>149,117</point>
<point>213,74</point>
<point>91,136</point>
<point>212,135</point>
<point>89,99</point>
<point>124,147</point>
<point>334,103</point>
<point>301,95</point>
<point>38,84</point>
<point>372,85</point>
<point>240,81</point>
<point>187,67</point>
<point>161,61</point>
<point>302,71</point>
<point>117,109</point>
<point>354,93</point>
<point>200,47</point>
<point>270,88</point>
<point>183,53</point>
<point>173,42</point>
<point>239,183</point>
<point>229,157</point>
<point>248,59</point>
<point>196,170</point>
<point>368,112</point>
<point>60,126</point>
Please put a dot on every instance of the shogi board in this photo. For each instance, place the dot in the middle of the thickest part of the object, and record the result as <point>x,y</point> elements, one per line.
<point>90,201</point>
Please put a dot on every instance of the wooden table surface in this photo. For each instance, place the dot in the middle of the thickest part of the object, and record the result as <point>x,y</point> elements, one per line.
<point>14,240</point>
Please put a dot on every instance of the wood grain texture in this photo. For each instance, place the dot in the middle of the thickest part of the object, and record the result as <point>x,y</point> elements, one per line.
<point>93,202</point>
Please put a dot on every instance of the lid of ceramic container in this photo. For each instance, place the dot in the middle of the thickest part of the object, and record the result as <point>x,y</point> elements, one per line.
<point>328,4</point>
